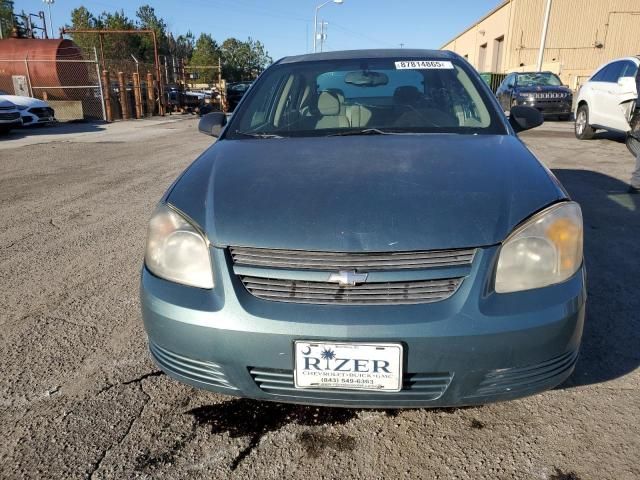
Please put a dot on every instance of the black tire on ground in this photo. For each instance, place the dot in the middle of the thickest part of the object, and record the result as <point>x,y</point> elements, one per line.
<point>633,144</point>
<point>582,129</point>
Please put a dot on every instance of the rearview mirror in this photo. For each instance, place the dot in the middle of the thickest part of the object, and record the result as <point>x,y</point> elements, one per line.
<point>365,78</point>
<point>212,123</point>
<point>524,118</point>
<point>628,84</point>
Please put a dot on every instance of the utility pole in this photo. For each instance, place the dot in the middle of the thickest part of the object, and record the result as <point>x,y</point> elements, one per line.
<point>323,33</point>
<point>315,20</point>
<point>543,35</point>
<point>49,3</point>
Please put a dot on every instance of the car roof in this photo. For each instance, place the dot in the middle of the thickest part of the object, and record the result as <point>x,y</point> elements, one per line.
<point>533,73</point>
<point>635,59</point>
<point>377,53</point>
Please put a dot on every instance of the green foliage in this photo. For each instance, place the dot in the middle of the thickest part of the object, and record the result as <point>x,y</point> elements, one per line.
<point>119,45</point>
<point>243,60</point>
<point>182,46</point>
<point>81,18</point>
<point>240,60</point>
<point>6,17</point>
<point>148,20</point>
<point>205,54</point>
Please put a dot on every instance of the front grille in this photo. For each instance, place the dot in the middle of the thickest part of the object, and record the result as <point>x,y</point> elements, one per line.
<point>549,95</point>
<point>42,112</point>
<point>423,291</point>
<point>517,379</point>
<point>12,107</point>
<point>425,386</point>
<point>198,370</point>
<point>9,116</point>
<point>334,261</point>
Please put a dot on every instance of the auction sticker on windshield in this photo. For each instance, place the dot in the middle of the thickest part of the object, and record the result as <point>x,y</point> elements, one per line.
<point>424,65</point>
<point>352,366</point>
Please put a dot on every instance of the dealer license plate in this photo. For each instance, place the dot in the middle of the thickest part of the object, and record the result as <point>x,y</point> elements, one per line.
<point>351,366</point>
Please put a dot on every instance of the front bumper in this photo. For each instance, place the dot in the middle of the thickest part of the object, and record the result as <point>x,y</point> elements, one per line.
<point>473,348</point>
<point>549,107</point>
<point>29,118</point>
<point>10,119</point>
<point>10,123</point>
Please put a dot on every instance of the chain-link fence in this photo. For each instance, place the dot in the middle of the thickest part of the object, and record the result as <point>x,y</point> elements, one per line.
<point>70,85</point>
<point>79,83</point>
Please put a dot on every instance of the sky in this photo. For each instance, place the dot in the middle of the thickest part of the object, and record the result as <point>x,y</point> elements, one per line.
<point>286,26</point>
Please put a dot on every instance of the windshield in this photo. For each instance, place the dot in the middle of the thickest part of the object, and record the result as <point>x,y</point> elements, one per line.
<point>538,80</point>
<point>357,95</point>
<point>239,87</point>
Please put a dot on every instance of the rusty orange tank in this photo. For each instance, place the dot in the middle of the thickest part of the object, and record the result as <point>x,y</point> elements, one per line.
<point>45,64</point>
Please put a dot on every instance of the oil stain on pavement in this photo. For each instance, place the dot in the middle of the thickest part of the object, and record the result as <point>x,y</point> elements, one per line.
<point>253,419</point>
<point>562,475</point>
<point>315,443</point>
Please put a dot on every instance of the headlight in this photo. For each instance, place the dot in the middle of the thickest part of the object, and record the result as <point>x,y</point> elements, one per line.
<point>176,250</point>
<point>547,249</point>
<point>21,107</point>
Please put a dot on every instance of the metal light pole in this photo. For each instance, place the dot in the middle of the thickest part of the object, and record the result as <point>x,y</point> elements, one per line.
<point>49,3</point>
<point>543,35</point>
<point>315,21</point>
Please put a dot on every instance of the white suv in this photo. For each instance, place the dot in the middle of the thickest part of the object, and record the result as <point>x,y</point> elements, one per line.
<point>606,101</point>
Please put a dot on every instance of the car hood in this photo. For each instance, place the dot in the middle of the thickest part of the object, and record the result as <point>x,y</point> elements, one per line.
<point>364,193</point>
<point>28,102</point>
<point>6,103</point>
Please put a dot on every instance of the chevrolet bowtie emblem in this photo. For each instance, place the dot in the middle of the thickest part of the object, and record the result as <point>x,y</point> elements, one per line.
<point>347,277</point>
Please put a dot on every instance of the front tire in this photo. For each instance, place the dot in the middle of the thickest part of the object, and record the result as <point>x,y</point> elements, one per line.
<point>633,145</point>
<point>582,129</point>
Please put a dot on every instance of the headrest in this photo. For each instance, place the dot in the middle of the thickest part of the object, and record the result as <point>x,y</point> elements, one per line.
<point>338,93</point>
<point>406,94</point>
<point>328,104</point>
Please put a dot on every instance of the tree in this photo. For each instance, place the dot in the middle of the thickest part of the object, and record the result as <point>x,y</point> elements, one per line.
<point>148,20</point>
<point>81,18</point>
<point>181,47</point>
<point>243,60</point>
<point>205,53</point>
<point>119,46</point>
<point>6,18</point>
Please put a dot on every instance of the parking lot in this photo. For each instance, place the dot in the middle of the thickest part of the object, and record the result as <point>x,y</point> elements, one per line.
<point>79,397</point>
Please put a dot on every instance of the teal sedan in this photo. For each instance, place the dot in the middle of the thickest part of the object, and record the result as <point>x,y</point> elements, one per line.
<point>368,231</point>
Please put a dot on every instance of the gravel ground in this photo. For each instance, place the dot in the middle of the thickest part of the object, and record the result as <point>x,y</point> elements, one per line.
<point>79,397</point>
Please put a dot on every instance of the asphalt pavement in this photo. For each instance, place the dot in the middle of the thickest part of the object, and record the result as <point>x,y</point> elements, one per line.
<point>79,397</point>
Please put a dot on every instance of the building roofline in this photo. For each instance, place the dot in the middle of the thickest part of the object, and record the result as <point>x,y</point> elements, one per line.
<point>482,19</point>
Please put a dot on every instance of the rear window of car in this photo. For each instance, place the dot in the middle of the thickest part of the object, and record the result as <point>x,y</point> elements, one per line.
<point>332,96</point>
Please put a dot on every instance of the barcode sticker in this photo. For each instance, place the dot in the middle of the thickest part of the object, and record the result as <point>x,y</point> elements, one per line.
<point>424,65</point>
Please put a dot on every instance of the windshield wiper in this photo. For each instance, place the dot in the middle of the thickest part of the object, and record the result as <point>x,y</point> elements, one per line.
<point>257,134</point>
<point>366,131</point>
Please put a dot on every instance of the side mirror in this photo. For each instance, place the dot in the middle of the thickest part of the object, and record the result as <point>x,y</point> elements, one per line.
<point>627,84</point>
<point>212,123</point>
<point>524,118</point>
